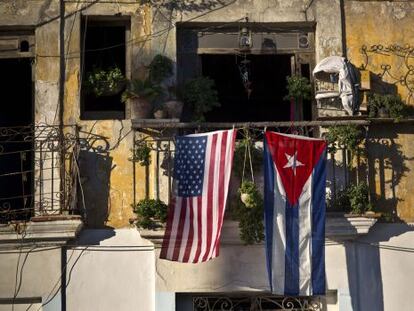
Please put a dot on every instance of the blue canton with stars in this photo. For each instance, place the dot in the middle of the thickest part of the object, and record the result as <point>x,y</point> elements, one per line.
<point>189,165</point>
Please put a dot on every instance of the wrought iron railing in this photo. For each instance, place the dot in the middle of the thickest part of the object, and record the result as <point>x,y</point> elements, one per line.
<point>156,180</point>
<point>38,171</point>
<point>256,303</point>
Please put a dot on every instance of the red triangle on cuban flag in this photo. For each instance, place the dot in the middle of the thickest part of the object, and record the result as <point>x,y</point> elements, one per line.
<point>295,158</point>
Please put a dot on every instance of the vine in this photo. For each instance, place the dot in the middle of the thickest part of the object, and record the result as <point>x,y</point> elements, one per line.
<point>348,137</point>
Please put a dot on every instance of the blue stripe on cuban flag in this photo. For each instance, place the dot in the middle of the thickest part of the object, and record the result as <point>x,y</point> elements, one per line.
<point>295,234</point>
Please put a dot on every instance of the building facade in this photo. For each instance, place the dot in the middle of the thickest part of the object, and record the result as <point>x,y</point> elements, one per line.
<point>67,235</point>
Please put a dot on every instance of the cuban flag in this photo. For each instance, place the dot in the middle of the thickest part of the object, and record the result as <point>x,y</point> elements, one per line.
<point>294,195</point>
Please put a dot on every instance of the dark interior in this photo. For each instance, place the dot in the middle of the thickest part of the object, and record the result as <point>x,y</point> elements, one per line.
<point>268,84</point>
<point>16,155</point>
<point>16,89</point>
<point>104,48</point>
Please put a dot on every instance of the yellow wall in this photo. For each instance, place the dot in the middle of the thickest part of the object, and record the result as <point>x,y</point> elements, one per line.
<point>386,23</point>
<point>107,172</point>
<point>383,23</point>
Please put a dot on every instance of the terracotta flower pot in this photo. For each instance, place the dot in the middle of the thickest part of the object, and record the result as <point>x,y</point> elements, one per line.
<point>141,108</point>
<point>174,108</point>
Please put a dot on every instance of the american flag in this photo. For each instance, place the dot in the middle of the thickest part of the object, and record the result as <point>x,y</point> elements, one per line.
<point>202,169</point>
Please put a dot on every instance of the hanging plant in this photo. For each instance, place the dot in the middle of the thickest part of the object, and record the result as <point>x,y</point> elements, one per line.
<point>298,88</point>
<point>249,212</point>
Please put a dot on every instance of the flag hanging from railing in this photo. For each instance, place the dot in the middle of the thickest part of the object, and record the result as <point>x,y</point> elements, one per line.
<point>295,178</point>
<point>202,168</point>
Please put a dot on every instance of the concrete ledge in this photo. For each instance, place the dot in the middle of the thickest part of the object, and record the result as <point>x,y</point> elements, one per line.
<point>348,226</point>
<point>51,230</point>
<point>338,227</point>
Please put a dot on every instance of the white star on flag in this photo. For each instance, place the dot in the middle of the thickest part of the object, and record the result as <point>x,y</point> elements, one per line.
<point>293,162</point>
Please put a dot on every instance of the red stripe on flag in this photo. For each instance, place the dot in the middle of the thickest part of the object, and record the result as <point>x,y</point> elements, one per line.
<point>167,235</point>
<point>190,231</point>
<point>210,195</point>
<point>179,236</point>
<point>221,189</point>
<point>199,209</point>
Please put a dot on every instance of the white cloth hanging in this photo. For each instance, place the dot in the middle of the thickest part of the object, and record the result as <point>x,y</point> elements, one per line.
<point>347,83</point>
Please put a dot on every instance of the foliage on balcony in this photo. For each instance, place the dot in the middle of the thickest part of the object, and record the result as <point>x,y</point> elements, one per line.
<point>348,137</point>
<point>201,96</point>
<point>353,199</point>
<point>389,106</point>
<point>150,213</point>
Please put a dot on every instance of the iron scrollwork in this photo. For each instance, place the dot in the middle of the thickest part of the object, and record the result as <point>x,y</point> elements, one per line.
<point>38,170</point>
<point>256,303</point>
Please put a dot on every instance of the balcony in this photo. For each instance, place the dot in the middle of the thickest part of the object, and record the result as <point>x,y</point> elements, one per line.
<point>38,178</point>
<point>345,168</point>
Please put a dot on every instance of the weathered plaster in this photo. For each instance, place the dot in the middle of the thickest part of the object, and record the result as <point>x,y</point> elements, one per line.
<point>379,22</point>
<point>386,23</point>
<point>46,98</point>
<point>108,175</point>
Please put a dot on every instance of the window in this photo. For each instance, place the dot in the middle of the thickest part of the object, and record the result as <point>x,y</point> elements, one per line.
<point>104,50</point>
<point>251,84</point>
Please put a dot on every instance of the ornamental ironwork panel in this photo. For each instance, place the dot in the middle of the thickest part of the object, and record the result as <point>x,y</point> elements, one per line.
<point>37,171</point>
<point>157,177</point>
<point>256,303</point>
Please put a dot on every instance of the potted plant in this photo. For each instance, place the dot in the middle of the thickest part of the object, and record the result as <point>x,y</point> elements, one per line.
<point>142,154</point>
<point>173,106</point>
<point>105,82</point>
<point>353,199</point>
<point>299,89</point>
<point>248,194</point>
<point>141,94</point>
<point>201,96</point>
<point>151,213</point>
<point>160,68</point>
<point>386,106</point>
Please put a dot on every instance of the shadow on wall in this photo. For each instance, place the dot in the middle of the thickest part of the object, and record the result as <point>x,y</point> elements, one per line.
<point>387,165</point>
<point>364,266</point>
<point>193,6</point>
<point>96,172</point>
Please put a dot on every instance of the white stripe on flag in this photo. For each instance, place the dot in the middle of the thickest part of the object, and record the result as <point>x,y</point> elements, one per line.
<point>216,185</point>
<point>174,227</point>
<point>305,232</point>
<point>204,200</point>
<point>195,230</point>
<point>228,159</point>
<point>183,242</point>
<point>279,239</point>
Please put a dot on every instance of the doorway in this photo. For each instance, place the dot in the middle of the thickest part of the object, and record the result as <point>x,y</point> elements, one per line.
<point>267,80</point>
<point>16,139</point>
